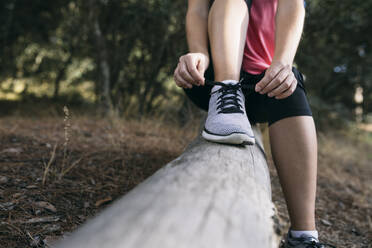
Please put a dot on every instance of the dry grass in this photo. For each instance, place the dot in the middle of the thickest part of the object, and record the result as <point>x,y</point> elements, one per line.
<point>101,161</point>
<point>54,175</point>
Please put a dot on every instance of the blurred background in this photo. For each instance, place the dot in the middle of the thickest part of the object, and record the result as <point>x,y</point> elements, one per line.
<point>89,109</point>
<point>103,55</point>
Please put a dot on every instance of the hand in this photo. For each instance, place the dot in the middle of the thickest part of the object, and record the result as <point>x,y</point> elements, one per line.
<point>279,81</point>
<point>190,70</point>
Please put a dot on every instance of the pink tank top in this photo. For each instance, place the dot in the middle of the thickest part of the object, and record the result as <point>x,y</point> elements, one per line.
<point>260,42</point>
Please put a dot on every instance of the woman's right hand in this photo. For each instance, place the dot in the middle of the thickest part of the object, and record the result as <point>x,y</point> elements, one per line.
<point>190,70</point>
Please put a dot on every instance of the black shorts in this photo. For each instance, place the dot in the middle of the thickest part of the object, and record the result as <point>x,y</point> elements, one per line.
<point>259,108</point>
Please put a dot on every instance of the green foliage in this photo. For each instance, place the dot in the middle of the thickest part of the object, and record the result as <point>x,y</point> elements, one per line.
<point>335,55</point>
<point>140,41</point>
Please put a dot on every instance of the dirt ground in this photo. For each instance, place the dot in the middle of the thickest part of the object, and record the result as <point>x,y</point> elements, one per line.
<point>55,174</point>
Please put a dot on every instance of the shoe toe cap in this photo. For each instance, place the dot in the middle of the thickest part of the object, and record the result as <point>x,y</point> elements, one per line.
<point>217,128</point>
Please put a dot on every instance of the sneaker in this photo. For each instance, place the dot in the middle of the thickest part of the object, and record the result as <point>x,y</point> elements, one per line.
<point>303,242</point>
<point>227,121</point>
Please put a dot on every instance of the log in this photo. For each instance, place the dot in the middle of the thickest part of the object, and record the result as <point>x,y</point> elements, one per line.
<point>212,196</point>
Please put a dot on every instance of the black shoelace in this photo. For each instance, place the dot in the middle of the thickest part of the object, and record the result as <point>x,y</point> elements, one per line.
<point>228,102</point>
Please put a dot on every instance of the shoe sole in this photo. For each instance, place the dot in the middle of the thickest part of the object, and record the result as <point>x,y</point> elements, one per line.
<point>234,138</point>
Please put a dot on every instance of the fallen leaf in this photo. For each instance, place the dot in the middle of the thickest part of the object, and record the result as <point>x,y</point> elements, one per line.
<point>7,205</point>
<point>31,186</point>
<point>100,202</point>
<point>51,227</point>
<point>38,219</point>
<point>3,179</point>
<point>16,195</point>
<point>326,222</point>
<point>46,205</point>
<point>12,150</point>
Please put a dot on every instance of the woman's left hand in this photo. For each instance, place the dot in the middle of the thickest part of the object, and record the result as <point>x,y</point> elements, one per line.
<point>279,81</point>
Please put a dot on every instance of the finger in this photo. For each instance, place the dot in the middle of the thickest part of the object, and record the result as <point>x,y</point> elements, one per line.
<point>201,68</point>
<point>269,75</point>
<point>263,82</point>
<point>288,92</point>
<point>184,73</point>
<point>276,81</point>
<point>180,82</point>
<point>286,84</point>
<point>191,67</point>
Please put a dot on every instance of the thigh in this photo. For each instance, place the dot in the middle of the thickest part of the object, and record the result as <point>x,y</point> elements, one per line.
<point>255,103</point>
<point>295,105</point>
<point>255,108</point>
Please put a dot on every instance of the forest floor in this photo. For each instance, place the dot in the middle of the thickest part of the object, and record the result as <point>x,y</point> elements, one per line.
<point>55,174</point>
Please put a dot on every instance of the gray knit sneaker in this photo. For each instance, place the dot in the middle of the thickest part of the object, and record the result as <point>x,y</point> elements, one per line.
<point>303,242</point>
<point>227,121</point>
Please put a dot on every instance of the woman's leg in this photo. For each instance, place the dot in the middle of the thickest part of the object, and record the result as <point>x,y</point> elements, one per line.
<point>294,149</point>
<point>227,30</point>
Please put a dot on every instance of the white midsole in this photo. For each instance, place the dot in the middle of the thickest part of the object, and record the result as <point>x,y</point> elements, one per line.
<point>234,138</point>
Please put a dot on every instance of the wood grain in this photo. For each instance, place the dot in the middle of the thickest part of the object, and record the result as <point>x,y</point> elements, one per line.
<point>212,196</point>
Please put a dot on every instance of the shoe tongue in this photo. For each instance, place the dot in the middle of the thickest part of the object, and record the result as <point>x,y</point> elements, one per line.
<point>229,81</point>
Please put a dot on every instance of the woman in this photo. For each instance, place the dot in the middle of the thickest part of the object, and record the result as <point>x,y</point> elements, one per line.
<point>251,79</point>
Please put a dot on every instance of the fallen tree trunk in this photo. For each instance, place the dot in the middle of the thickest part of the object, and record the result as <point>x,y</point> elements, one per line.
<point>213,196</point>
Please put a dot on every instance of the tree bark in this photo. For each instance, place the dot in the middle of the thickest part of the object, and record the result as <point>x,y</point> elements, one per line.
<point>102,58</point>
<point>213,195</point>
<point>60,75</point>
